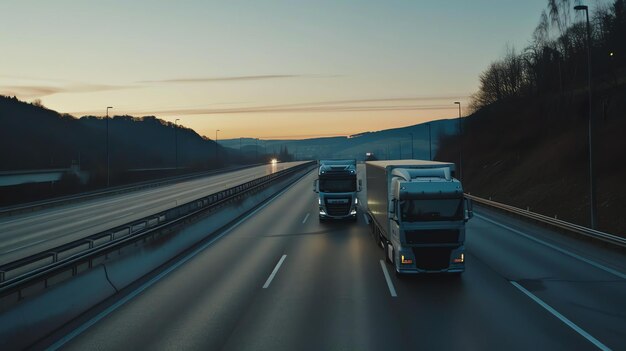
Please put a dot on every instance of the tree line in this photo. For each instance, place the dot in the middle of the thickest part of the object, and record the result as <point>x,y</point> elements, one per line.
<point>555,61</point>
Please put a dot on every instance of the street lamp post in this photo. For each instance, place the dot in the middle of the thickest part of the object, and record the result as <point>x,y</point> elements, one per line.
<point>108,158</point>
<point>460,143</point>
<point>216,145</point>
<point>592,180</point>
<point>176,142</point>
<point>412,154</point>
<point>430,144</point>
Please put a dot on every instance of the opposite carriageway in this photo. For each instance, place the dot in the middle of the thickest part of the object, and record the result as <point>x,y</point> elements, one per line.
<point>25,234</point>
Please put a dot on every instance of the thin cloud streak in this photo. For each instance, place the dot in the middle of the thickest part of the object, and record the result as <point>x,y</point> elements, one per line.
<point>325,106</point>
<point>34,91</point>
<point>222,79</point>
<point>404,99</point>
<point>283,109</point>
<point>356,105</point>
<point>30,91</point>
<point>10,76</point>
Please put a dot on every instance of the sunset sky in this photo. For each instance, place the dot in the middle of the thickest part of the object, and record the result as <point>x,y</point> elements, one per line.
<point>267,69</point>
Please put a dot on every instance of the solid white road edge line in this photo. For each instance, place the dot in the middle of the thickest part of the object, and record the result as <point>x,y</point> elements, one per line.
<point>74,333</point>
<point>392,290</point>
<point>563,319</point>
<point>563,251</point>
<point>271,277</point>
<point>305,218</point>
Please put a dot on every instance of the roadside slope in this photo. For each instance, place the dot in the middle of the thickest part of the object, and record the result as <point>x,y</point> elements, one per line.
<point>533,152</point>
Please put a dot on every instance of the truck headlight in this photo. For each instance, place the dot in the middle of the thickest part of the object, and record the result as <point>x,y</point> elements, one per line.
<point>319,201</point>
<point>356,201</point>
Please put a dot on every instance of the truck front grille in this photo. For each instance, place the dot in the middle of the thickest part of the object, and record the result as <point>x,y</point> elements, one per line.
<point>432,236</point>
<point>337,207</point>
<point>432,258</point>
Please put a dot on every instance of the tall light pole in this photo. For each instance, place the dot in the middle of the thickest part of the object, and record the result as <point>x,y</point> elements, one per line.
<point>412,154</point>
<point>216,145</point>
<point>430,144</point>
<point>108,163</point>
<point>460,143</point>
<point>592,179</point>
<point>176,142</point>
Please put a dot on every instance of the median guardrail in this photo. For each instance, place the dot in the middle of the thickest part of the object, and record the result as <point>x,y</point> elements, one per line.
<point>31,206</point>
<point>81,254</point>
<point>570,227</point>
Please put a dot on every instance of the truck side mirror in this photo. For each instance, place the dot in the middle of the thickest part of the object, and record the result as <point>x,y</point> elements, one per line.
<point>315,186</point>
<point>469,211</point>
<point>360,185</point>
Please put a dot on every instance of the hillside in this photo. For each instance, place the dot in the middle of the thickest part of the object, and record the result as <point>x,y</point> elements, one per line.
<point>388,144</point>
<point>527,144</point>
<point>532,152</point>
<point>33,137</point>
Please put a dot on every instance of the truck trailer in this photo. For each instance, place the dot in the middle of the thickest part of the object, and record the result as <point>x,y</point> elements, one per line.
<point>337,187</point>
<point>417,213</point>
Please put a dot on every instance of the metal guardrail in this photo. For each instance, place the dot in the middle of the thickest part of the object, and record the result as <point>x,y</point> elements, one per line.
<point>571,227</point>
<point>7,210</point>
<point>25,271</point>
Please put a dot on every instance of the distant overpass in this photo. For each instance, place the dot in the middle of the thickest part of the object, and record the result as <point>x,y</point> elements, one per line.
<point>8,178</point>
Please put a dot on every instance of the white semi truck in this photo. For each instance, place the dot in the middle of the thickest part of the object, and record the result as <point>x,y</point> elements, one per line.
<point>417,213</point>
<point>337,187</point>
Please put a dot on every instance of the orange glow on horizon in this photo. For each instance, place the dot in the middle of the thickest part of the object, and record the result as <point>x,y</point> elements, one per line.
<point>297,125</point>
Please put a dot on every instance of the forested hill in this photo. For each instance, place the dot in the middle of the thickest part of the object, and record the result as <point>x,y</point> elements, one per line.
<point>34,137</point>
<point>527,142</point>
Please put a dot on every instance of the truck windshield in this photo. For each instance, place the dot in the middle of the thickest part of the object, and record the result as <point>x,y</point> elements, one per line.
<point>341,185</point>
<point>431,210</point>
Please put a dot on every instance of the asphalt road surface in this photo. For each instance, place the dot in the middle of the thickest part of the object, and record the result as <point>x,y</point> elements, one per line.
<point>281,280</point>
<point>30,233</point>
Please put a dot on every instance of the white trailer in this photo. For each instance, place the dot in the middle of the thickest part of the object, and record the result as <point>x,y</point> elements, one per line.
<point>418,213</point>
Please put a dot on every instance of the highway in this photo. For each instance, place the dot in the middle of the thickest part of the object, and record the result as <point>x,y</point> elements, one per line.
<point>280,280</point>
<point>33,232</point>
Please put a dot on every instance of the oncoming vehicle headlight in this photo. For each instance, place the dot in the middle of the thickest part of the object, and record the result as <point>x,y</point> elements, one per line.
<point>356,201</point>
